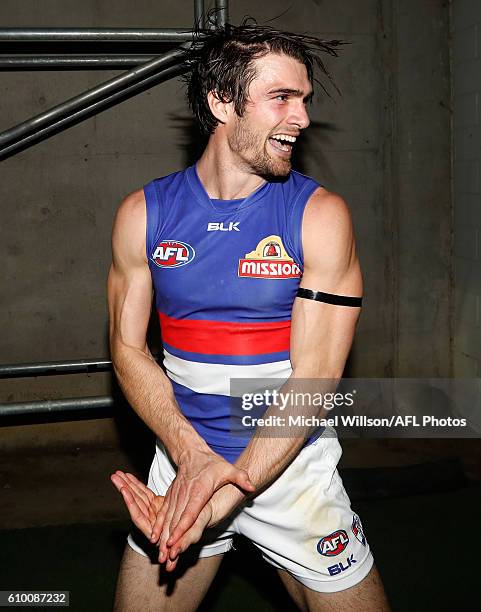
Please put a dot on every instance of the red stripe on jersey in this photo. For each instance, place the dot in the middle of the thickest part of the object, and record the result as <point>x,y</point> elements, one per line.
<point>224,338</point>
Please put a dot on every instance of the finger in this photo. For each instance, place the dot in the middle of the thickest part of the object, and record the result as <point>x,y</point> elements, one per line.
<point>139,519</point>
<point>194,533</point>
<point>122,476</point>
<point>138,483</point>
<point>171,564</point>
<point>160,518</point>
<point>192,512</point>
<point>152,517</point>
<point>241,479</point>
<point>142,503</point>
<point>236,476</point>
<point>164,536</point>
<point>117,481</point>
<point>191,537</point>
<point>187,520</point>
<point>120,480</point>
<point>140,490</point>
<point>189,504</point>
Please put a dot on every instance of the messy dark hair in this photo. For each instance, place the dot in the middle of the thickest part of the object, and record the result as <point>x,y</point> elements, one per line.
<point>221,61</point>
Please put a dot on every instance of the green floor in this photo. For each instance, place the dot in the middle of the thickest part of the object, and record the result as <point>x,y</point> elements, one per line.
<point>426,546</point>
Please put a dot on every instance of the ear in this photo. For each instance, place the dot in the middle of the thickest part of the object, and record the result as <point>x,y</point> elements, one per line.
<point>220,109</point>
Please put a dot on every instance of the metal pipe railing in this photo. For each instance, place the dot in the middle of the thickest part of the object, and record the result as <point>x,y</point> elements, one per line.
<point>72,404</point>
<point>92,109</point>
<point>81,366</point>
<point>222,12</point>
<point>45,62</point>
<point>32,35</point>
<point>106,94</point>
<point>199,14</point>
<point>117,84</point>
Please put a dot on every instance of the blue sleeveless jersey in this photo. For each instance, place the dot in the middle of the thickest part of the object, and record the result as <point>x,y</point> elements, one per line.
<point>225,275</point>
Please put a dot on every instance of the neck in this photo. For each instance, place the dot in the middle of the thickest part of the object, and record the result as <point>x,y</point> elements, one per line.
<point>223,175</point>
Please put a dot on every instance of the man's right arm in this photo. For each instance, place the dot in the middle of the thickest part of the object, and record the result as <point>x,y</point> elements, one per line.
<point>143,382</point>
<point>201,471</point>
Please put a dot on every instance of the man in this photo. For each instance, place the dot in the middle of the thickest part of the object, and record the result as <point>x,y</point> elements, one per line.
<point>225,245</point>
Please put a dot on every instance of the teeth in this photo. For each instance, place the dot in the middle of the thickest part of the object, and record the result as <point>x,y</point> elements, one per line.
<point>281,137</point>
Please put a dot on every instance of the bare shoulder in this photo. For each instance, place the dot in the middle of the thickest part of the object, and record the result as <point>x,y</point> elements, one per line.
<point>327,212</point>
<point>328,243</point>
<point>132,208</point>
<point>128,235</point>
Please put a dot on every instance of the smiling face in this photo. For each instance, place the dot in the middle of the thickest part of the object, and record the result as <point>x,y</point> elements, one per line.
<point>275,113</point>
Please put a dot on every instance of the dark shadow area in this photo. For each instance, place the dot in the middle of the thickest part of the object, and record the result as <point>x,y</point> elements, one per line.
<point>256,583</point>
<point>57,417</point>
<point>417,542</point>
<point>399,481</point>
<point>86,48</point>
<point>191,140</point>
<point>313,139</point>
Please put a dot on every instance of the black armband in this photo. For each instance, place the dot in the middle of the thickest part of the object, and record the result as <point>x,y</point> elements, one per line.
<point>329,298</point>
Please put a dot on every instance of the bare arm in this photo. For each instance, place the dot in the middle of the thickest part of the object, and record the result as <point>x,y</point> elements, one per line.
<point>143,382</point>
<point>200,471</point>
<point>321,334</point>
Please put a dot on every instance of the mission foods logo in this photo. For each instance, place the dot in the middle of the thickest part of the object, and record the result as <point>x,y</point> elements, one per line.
<point>172,254</point>
<point>269,260</point>
<point>333,544</point>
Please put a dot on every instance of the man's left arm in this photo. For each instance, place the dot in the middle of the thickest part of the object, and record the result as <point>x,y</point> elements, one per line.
<point>321,337</point>
<point>321,333</point>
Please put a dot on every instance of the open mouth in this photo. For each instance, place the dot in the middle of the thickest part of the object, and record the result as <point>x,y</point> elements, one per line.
<point>282,142</point>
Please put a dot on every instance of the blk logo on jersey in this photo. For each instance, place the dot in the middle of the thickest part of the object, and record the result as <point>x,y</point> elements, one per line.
<point>269,260</point>
<point>333,544</point>
<point>232,226</point>
<point>172,254</point>
<point>356,528</point>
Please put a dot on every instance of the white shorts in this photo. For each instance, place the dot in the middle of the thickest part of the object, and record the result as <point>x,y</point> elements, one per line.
<point>302,522</point>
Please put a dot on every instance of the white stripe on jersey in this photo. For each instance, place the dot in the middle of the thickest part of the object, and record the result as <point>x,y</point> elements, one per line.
<point>214,378</point>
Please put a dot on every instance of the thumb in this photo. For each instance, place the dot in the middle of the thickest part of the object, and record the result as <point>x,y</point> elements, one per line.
<point>243,481</point>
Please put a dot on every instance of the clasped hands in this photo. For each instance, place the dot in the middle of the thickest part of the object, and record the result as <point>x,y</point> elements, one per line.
<point>205,490</point>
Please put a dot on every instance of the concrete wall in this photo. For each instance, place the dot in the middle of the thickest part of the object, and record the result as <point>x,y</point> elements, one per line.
<point>421,172</point>
<point>467,187</point>
<point>384,146</point>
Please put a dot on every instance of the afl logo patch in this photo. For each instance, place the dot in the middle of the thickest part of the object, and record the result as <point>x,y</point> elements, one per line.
<point>269,260</point>
<point>333,544</point>
<point>172,254</point>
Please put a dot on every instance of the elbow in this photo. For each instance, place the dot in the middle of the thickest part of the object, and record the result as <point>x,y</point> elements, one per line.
<point>122,353</point>
<point>318,371</point>
<point>117,354</point>
<point>116,346</point>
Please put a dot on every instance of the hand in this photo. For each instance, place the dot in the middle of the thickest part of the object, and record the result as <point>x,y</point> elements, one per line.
<point>200,474</point>
<point>142,503</point>
<point>143,506</point>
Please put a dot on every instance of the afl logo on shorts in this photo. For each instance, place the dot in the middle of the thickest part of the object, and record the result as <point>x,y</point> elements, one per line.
<point>356,528</point>
<point>172,254</point>
<point>269,260</point>
<point>333,544</point>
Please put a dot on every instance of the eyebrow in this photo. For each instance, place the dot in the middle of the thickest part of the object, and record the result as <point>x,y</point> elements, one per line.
<point>292,92</point>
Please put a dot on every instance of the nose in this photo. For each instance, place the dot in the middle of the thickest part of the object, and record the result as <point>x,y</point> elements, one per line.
<point>299,115</point>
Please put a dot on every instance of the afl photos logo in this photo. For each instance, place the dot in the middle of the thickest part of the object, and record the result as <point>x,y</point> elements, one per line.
<point>333,544</point>
<point>269,260</point>
<point>172,254</point>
